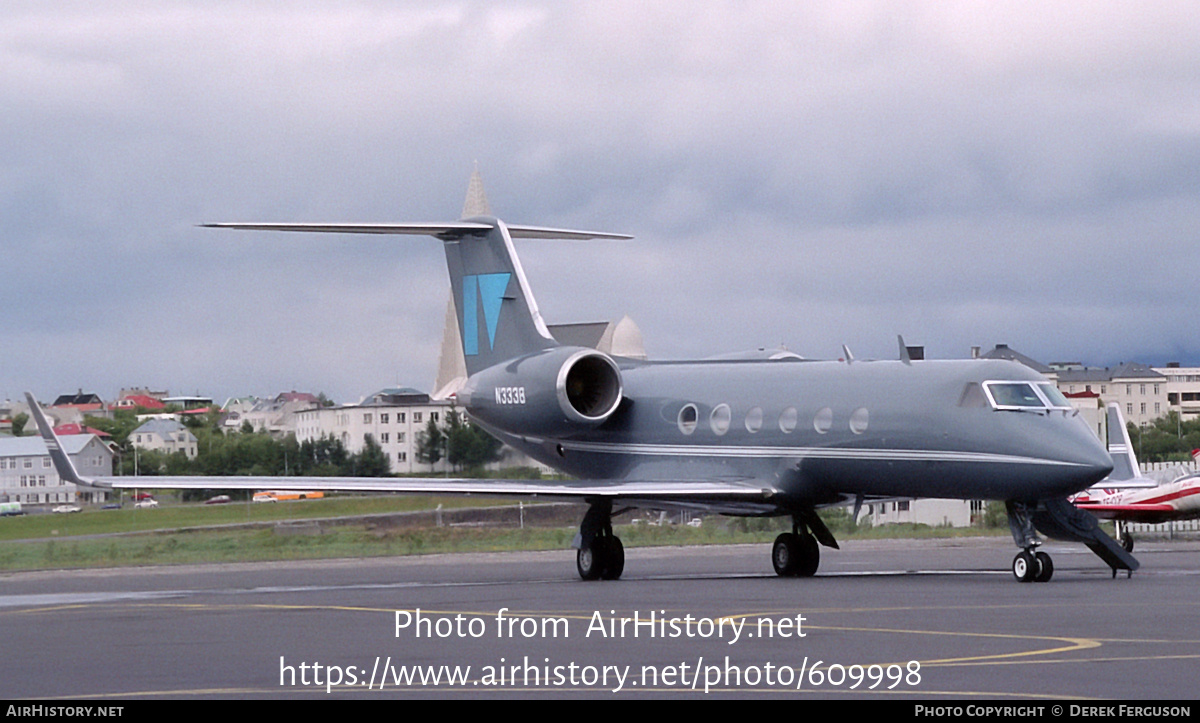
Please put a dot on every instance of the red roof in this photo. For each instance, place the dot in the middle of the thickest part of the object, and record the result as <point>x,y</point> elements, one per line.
<point>138,400</point>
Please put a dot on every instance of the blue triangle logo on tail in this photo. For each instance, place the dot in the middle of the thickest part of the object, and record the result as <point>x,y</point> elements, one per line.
<point>488,289</point>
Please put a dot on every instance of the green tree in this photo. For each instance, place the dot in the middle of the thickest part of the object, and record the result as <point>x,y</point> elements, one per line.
<point>1166,439</point>
<point>18,424</point>
<point>430,444</point>
<point>467,445</point>
<point>372,461</point>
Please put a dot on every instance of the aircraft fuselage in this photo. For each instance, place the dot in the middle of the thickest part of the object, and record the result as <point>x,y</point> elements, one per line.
<point>821,431</point>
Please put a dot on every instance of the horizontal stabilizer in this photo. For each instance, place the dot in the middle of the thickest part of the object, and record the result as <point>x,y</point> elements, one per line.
<point>439,230</point>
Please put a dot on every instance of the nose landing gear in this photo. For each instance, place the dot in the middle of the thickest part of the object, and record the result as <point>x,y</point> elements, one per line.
<point>1061,520</point>
<point>1032,566</point>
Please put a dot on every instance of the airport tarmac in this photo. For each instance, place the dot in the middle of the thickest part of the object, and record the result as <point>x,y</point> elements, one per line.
<point>920,619</point>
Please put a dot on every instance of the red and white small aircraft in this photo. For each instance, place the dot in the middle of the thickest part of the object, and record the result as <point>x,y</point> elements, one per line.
<point>1130,497</point>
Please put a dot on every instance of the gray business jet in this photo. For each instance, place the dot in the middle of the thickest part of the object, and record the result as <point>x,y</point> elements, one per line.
<point>765,433</point>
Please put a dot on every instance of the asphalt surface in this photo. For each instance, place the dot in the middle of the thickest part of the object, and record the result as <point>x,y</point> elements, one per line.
<point>937,620</point>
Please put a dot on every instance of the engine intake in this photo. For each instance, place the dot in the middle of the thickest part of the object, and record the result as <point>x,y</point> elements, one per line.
<point>589,387</point>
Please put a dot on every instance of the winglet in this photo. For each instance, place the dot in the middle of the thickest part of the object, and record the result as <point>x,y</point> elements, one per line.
<point>62,461</point>
<point>904,355</point>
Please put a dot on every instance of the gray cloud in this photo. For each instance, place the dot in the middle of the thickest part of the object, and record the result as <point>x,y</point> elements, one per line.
<point>827,173</point>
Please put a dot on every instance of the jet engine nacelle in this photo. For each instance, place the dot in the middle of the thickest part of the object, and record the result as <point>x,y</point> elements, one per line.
<point>546,392</point>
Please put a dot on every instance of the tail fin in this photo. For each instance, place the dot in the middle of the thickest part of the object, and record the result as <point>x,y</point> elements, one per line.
<point>1126,471</point>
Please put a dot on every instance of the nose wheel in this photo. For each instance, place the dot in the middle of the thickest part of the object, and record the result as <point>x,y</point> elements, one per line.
<point>1032,566</point>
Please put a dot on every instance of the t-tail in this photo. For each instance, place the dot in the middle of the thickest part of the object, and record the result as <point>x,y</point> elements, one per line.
<point>495,310</point>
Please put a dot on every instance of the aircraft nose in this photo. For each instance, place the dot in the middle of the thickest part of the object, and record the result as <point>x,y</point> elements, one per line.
<point>1093,460</point>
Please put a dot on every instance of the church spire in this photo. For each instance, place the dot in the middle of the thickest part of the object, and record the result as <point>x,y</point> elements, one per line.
<point>476,203</point>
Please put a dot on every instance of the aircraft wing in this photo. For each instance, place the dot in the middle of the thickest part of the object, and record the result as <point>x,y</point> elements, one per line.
<point>743,495</point>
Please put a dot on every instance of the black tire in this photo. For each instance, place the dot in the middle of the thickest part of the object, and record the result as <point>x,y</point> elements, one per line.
<point>1045,568</point>
<point>1025,566</point>
<point>589,559</point>
<point>810,556</point>
<point>1127,542</point>
<point>615,562</point>
<point>786,554</point>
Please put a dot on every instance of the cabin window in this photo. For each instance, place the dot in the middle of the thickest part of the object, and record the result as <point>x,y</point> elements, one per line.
<point>787,420</point>
<point>823,422</point>
<point>859,420</point>
<point>687,419</point>
<point>719,419</point>
<point>754,420</point>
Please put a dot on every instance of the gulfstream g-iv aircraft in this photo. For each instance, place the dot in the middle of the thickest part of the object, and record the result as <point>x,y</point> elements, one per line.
<point>758,434</point>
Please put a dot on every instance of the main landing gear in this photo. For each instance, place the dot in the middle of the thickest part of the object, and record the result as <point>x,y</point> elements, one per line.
<point>796,553</point>
<point>600,555</point>
<point>1124,536</point>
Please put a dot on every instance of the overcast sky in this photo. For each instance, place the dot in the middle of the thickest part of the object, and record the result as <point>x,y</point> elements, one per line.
<point>798,174</point>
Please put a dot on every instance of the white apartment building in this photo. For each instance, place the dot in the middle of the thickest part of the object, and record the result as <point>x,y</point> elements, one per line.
<point>1182,389</point>
<point>393,417</point>
<point>28,476</point>
<point>1141,392</point>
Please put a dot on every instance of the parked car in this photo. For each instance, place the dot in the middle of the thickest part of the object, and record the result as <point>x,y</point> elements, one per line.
<point>138,496</point>
<point>67,509</point>
<point>218,500</point>
<point>112,506</point>
<point>146,503</point>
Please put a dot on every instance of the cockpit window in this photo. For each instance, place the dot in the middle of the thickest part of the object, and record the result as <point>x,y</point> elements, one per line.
<point>1013,394</point>
<point>1053,396</point>
<point>1025,395</point>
